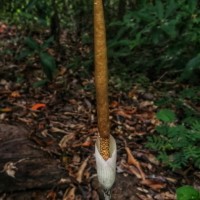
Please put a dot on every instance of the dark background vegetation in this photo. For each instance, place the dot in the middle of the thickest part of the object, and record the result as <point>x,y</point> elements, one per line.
<point>147,37</point>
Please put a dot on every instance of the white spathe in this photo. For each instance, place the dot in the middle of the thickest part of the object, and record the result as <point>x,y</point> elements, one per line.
<point>106,169</point>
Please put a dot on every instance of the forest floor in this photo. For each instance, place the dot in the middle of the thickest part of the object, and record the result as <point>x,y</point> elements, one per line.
<point>60,118</point>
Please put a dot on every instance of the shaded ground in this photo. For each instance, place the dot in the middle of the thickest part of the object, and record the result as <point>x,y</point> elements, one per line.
<point>60,121</point>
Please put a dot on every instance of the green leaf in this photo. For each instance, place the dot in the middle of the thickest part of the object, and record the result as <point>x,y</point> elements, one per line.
<point>121,43</point>
<point>49,65</point>
<point>145,16</point>
<point>171,8</point>
<point>193,64</point>
<point>47,42</point>
<point>166,115</point>
<point>30,5</point>
<point>193,6</point>
<point>160,9</point>
<point>32,44</point>
<point>170,28</point>
<point>23,54</point>
<point>40,83</point>
<point>187,193</point>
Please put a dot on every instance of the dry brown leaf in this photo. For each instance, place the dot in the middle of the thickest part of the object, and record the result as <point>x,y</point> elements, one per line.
<point>143,197</point>
<point>2,116</point>
<point>153,159</point>
<point>69,194</point>
<point>65,140</point>
<point>7,109</point>
<point>79,174</point>
<point>165,196</point>
<point>132,170</point>
<point>144,104</point>
<point>64,181</point>
<point>38,106</point>
<point>130,110</point>
<point>135,171</point>
<point>26,120</point>
<point>153,184</point>
<point>173,180</point>
<point>15,94</point>
<point>114,104</point>
<point>130,128</point>
<point>133,161</point>
<point>76,159</point>
<point>57,130</point>
<point>10,169</point>
<point>44,133</point>
<point>73,101</point>
<point>62,70</point>
<point>123,114</point>
<point>87,143</point>
<point>51,195</point>
<point>145,116</point>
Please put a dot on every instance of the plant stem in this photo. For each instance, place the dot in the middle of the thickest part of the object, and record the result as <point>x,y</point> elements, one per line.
<point>107,194</point>
<point>101,78</point>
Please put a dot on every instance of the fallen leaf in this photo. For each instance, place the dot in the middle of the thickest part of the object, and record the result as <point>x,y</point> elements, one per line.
<point>62,71</point>
<point>65,140</point>
<point>2,116</point>
<point>7,109</point>
<point>64,181</point>
<point>173,180</point>
<point>76,159</point>
<point>57,130</point>
<point>26,120</point>
<point>153,184</point>
<point>15,94</point>
<point>45,132</point>
<point>87,143</point>
<point>123,114</point>
<point>38,106</point>
<point>114,104</point>
<point>130,128</point>
<point>73,101</point>
<point>69,194</point>
<point>131,110</point>
<point>152,159</point>
<point>10,169</point>
<point>143,197</point>
<point>65,160</point>
<point>132,170</point>
<point>165,196</point>
<point>144,104</point>
<point>79,174</point>
<point>133,161</point>
<point>51,195</point>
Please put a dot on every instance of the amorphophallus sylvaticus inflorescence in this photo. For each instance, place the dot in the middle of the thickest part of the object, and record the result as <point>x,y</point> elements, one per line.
<point>105,147</point>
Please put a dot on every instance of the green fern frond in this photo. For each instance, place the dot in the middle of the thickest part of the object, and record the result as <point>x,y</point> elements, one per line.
<point>177,145</point>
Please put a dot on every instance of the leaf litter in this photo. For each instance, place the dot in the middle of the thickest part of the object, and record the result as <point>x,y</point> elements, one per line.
<point>65,126</point>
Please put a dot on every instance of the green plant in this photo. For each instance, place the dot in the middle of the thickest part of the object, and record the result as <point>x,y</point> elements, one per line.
<point>32,48</point>
<point>187,193</point>
<point>156,37</point>
<point>177,144</point>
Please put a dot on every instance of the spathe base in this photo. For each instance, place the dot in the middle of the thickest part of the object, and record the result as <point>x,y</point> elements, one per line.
<point>106,169</point>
